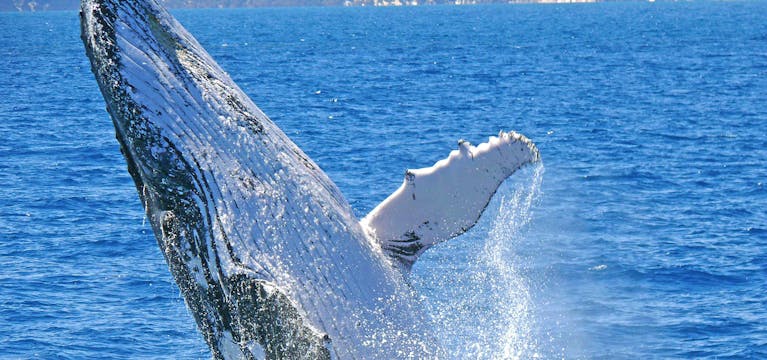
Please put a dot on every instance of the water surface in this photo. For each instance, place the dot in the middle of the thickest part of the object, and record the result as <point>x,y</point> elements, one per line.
<point>646,240</point>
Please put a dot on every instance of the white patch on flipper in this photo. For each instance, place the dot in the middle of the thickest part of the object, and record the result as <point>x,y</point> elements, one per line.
<point>440,202</point>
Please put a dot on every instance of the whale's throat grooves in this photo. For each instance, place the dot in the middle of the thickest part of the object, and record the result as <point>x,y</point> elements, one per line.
<point>267,254</point>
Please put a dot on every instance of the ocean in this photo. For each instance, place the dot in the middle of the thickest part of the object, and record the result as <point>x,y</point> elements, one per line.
<point>641,235</point>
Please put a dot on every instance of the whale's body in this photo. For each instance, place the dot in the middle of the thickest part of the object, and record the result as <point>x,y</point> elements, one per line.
<point>266,251</point>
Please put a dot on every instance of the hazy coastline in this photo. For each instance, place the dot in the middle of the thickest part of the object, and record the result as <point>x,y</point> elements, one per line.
<point>32,6</point>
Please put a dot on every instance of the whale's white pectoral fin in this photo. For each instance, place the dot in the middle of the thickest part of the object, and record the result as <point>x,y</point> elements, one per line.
<point>440,202</point>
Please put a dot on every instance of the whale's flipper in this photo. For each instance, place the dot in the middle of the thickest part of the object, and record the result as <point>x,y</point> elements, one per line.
<point>440,202</point>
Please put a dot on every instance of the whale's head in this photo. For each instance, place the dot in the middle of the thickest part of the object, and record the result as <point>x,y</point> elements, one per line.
<point>189,137</point>
<point>161,173</point>
<point>265,249</point>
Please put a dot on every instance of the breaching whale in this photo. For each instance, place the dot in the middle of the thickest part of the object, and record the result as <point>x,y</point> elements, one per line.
<point>266,251</point>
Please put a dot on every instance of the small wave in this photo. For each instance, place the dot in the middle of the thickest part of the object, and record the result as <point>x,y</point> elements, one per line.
<point>598,267</point>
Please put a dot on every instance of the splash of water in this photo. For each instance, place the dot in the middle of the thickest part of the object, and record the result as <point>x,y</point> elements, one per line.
<point>482,307</point>
<point>512,292</point>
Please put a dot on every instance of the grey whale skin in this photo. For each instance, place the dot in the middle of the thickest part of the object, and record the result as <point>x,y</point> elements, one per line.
<point>266,251</point>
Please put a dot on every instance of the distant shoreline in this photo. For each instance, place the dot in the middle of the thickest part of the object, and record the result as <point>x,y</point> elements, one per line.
<point>36,6</point>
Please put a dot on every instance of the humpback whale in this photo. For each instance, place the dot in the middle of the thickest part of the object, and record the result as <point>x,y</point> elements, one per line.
<point>266,251</point>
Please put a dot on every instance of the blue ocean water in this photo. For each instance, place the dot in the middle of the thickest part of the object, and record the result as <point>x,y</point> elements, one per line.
<point>644,239</point>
